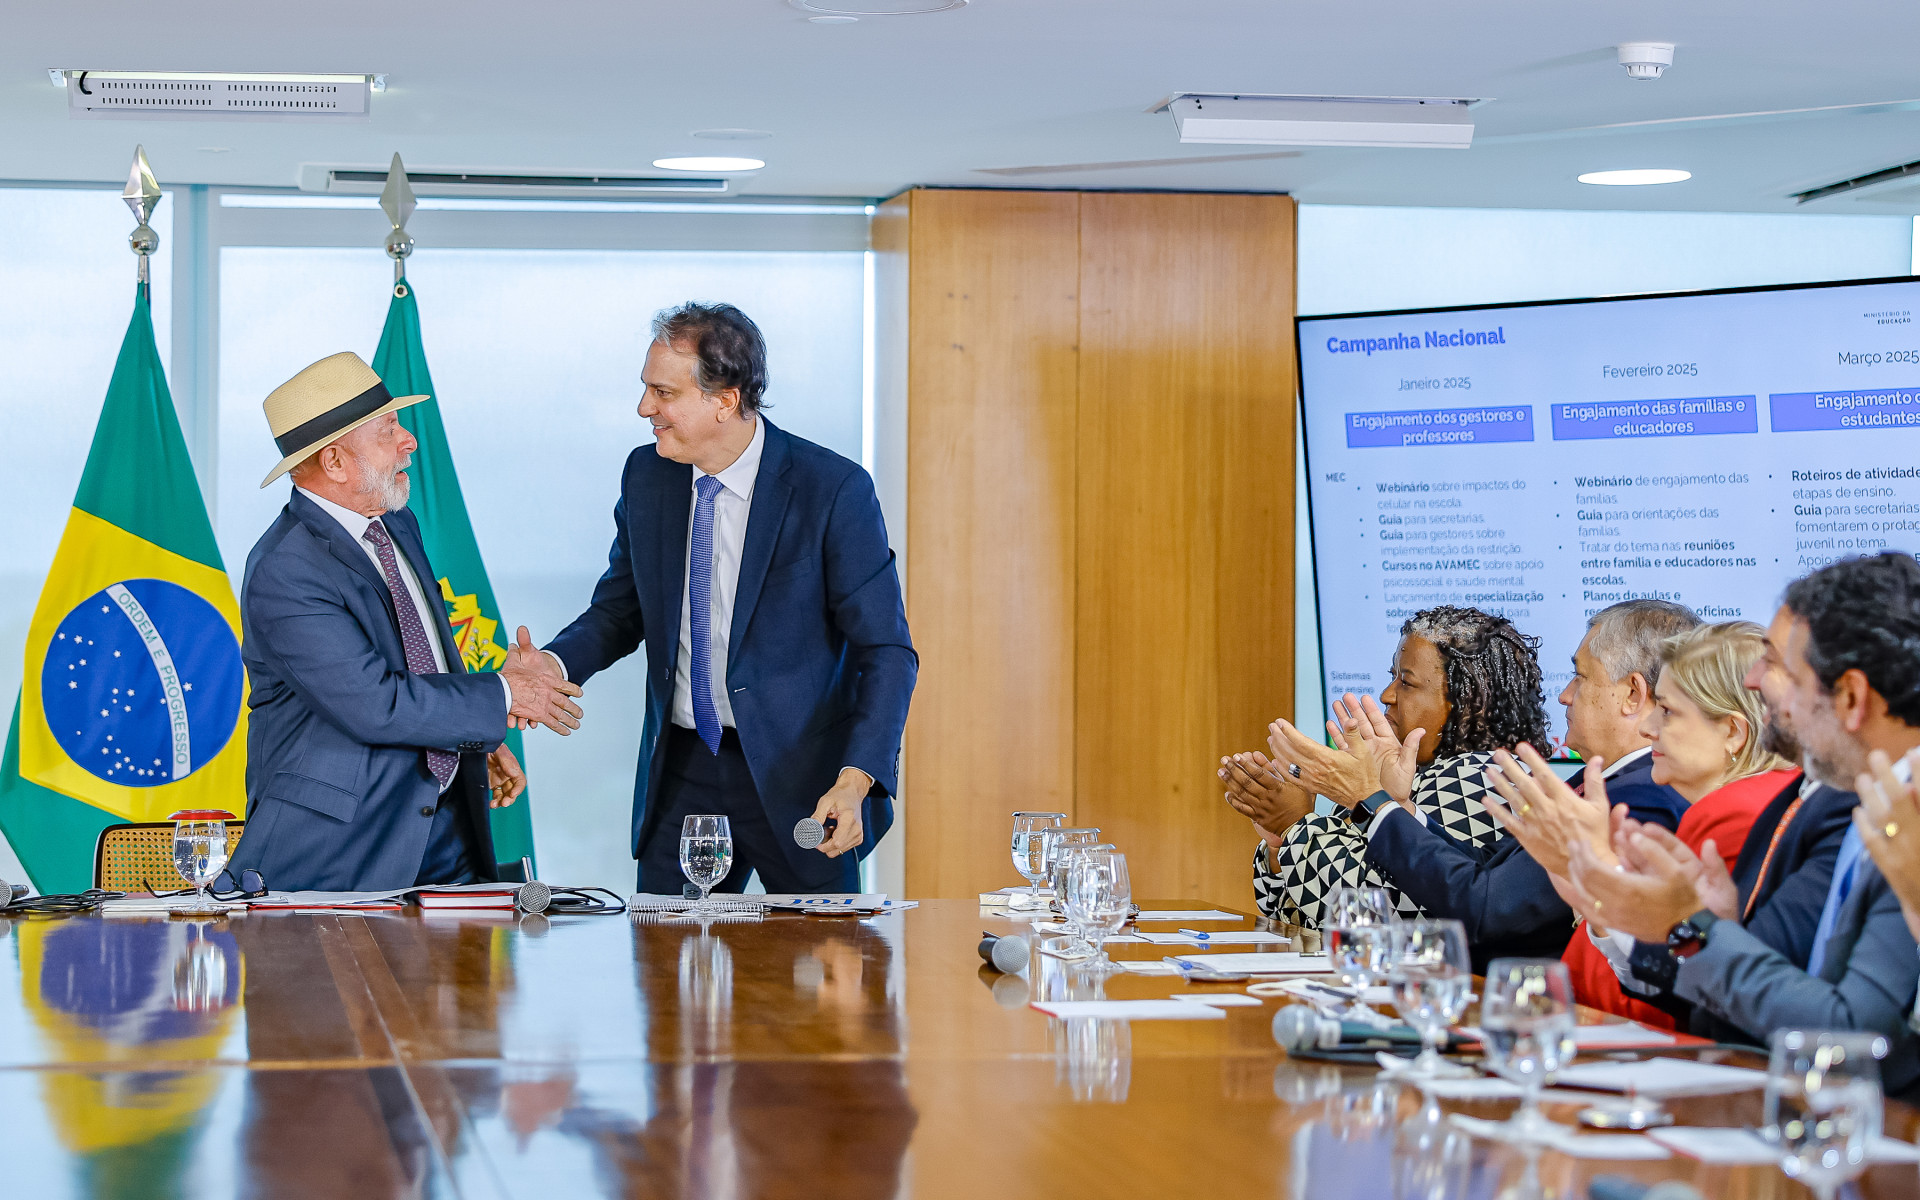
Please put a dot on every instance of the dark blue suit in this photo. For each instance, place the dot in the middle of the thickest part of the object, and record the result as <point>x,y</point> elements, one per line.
<point>819,663</point>
<point>339,797</point>
<point>1501,894</point>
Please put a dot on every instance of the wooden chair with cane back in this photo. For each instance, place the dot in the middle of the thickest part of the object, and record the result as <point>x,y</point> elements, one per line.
<point>127,858</point>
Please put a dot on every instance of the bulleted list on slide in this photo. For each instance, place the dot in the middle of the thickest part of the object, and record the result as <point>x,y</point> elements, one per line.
<point>1546,461</point>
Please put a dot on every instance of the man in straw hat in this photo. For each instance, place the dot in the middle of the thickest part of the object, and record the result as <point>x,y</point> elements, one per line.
<point>371,753</point>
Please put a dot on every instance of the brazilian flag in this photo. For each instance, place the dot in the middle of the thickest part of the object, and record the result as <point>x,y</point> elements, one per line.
<point>131,699</point>
<point>401,363</point>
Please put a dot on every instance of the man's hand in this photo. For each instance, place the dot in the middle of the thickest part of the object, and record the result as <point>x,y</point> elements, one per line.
<point>842,802</point>
<point>1272,801</point>
<point>1396,759</point>
<point>1545,815</point>
<point>505,779</point>
<point>540,693</point>
<point>1645,894</point>
<point>1342,776</point>
<point>1888,820</point>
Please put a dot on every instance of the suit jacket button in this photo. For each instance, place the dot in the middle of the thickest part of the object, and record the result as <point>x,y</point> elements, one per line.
<point>426,810</point>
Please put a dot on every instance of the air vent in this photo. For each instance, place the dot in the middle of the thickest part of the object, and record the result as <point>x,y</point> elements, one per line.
<point>1873,179</point>
<point>367,181</point>
<point>110,95</point>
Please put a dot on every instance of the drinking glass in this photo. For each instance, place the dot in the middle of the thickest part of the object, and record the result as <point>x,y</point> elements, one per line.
<point>706,853</point>
<point>1056,844</point>
<point>1359,929</point>
<point>1431,976</point>
<point>1030,851</point>
<point>1823,1104</point>
<point>1077,942</point>
<point>1527,1018</point>
<point>200,853</point>
<point>1099,896</point>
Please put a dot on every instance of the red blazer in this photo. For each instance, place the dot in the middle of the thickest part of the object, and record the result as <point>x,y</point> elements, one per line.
<point>1723,817</point>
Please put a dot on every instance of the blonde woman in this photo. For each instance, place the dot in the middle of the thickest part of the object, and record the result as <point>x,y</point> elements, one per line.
<point>1705,727</point>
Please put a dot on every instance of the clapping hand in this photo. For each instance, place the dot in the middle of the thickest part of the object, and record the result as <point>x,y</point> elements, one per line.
<point>1545,815</point>
<point>1888,820</point>
<point>1255,790</point>
<point>1655,884</point>
<point>540,692</point>
<point>1396,759</point>
<point>1344,776</point>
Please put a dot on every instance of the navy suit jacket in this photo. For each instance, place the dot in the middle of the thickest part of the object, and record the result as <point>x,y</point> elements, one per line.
<point>1501,894</point>
<point>819,664</point>
<point>339,797</point>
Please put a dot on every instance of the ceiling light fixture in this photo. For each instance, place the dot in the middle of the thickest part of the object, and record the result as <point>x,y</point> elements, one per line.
<point>876,8</point>
<point>216,95</point>
<point>1637,177</point>
<point>708,162</point>
<point>731,135</point>
<point>1404,122</point>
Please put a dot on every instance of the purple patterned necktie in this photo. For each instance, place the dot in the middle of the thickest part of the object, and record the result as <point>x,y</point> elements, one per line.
<point>706,721</point>
<point>413,636</point>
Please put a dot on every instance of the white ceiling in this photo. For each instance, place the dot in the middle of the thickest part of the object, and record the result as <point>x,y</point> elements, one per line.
<point>870,108</point>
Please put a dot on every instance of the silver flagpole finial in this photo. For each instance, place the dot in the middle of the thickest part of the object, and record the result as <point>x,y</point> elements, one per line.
<point>142,196</point>
<point>397,199</point>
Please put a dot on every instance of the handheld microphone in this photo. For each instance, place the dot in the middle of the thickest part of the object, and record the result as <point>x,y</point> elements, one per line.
<point>1007,955</point>
<point>1298,1027</point>
<point>810,833</point>
<point>1615,1187</point>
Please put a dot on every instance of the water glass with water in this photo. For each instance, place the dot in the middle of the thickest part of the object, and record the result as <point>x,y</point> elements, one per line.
<point>1030,851</point>
<point>1359,932</point>
<point>1432,979</point>
<point>1099,896</point>
<point>200,851</point>
<point>1823,1106</point>
<point>706,853</point>
<point>1527,1018</point>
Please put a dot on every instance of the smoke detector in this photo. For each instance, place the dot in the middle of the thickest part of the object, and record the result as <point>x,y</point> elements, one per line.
<point>1646,60</point>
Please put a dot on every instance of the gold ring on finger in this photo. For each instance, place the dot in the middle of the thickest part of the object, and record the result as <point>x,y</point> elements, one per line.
<point>1596,906</point>
<point>1891,830</point>
<point>1525,809</point>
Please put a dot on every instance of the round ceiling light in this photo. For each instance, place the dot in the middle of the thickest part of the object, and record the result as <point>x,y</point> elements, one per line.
<point>875,8</point>
<point>731,135</point>
<point>1639,177</point>
<point>708,162</point>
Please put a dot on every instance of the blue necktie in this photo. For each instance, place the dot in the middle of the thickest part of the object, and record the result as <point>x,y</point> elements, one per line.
<point>706,722</point>
<point>1846,866</point>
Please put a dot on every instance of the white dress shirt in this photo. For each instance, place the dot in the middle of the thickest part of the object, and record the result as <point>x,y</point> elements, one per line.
<point>356,527</point>
<point>731,504</point>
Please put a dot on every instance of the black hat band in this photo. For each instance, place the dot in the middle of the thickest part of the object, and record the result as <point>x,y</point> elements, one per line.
<point>334,419</point>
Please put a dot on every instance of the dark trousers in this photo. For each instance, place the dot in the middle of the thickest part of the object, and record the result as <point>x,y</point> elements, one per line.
<point>449,856</point>
<point>696,780</point>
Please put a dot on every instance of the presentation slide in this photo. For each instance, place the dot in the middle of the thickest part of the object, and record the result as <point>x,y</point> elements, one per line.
<point>1546,460</point>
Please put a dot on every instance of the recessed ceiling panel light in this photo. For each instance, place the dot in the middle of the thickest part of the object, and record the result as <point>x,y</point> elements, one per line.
<point>731,135</point>
<point>876,8</point>
<point>708,162</point>
<point>1638,177</point>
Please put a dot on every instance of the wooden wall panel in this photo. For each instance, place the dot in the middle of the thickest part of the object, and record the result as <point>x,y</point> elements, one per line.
<point>1184,542</point>
<point>990,332</point>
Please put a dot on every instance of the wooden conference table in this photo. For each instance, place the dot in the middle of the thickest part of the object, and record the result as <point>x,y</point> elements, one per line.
<point>293,1055</point>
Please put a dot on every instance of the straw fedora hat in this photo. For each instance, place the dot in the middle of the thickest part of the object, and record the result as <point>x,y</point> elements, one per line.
<point>332,397</point>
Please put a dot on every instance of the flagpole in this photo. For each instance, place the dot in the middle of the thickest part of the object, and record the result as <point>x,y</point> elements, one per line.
<point>398,202</point>
<point>142,195</point>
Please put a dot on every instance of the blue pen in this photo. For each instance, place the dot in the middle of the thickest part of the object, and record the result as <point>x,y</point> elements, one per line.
<point>1196,934</point>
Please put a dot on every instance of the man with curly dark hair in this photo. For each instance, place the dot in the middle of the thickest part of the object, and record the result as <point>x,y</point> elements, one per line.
<point>1473,680</point>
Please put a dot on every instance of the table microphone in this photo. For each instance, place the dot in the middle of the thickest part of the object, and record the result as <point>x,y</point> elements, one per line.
<point>1008,955</point>
<point>10,892</point>
<point>532,896</point>
<point>810,833</point>
<point>1298,1027</point>
<point>1616,1187</point>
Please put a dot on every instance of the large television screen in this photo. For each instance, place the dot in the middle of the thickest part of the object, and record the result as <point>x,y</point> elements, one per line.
<point>1546,460</point>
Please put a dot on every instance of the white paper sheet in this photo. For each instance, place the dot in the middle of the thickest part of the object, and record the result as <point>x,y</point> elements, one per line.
<point>1150,968</point>
<point>1131,1010</point>
<point>1662,1077</point>
<point>1615,1146</point>
<point>1621,1033</point>
<point>1218,999</point>
<point>1745,1147</point>
<point>1283,962</point>
<point>1188,914</point>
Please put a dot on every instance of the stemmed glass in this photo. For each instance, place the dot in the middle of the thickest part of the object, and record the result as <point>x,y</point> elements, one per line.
<point>1431,976</point>
<point>200,853</point>
<point>1527,1020</point>
<point>1823,1104</point>
<point>1057,845</point>
<point>1030,851</point>
<point>1077,943</point>
<point>1099,896</point>
<point>1359,928</point>
<point>706,853</point>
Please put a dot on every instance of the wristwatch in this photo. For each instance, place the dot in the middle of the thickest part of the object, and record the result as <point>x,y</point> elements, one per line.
<point>1369,808</point>
<point>1689,937</point>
